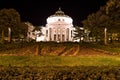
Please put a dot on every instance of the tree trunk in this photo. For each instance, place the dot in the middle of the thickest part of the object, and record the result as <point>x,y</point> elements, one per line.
<point>105,36</point>
<point>2,36</point>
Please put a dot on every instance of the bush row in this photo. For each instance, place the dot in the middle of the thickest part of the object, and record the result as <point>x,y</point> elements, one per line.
<point>59,73</point>
<point>11,46</point>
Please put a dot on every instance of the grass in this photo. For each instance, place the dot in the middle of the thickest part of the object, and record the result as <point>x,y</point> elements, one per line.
<point>40,61</point>
<point>110,48</point>
<point>32,60</point>
<point>79,67</point>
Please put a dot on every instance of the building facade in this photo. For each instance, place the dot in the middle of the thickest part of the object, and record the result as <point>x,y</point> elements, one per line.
<point>59,27</point>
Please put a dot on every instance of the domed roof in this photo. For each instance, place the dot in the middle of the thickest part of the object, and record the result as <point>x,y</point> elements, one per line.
<point>59,16</point>
<point>59,13</point>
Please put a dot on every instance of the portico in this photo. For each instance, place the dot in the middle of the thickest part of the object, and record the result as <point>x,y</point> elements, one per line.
<point>59,27</point>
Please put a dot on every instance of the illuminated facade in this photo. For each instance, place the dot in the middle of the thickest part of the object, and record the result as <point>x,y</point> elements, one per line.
<point>59,28</point>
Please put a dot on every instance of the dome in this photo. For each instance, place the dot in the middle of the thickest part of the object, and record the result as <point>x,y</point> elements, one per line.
<point>59,16</point>
<point>59,13</point>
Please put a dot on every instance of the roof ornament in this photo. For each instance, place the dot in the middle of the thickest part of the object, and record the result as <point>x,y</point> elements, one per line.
<point>59,12</point>
<point>59,9</point>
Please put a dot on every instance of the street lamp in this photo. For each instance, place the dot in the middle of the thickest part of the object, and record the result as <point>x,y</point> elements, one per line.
<point>9,34</point>
<point>105,35</point>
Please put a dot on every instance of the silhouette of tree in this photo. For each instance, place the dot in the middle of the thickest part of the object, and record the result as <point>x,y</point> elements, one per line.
<point>9,18</point>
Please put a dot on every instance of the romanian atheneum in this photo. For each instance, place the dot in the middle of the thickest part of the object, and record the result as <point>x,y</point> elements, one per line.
<point>59,27</point>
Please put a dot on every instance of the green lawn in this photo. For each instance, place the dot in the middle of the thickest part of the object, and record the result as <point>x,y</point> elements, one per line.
<point>41,61</point>
<point>110,48</point>
<point>79,67</point>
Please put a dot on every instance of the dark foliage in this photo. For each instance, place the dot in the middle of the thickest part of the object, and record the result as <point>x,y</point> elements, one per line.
<point>61,73</point>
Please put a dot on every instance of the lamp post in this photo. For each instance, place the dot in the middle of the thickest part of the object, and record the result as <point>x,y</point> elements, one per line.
<point>105,36</point>
<point>9,34</point>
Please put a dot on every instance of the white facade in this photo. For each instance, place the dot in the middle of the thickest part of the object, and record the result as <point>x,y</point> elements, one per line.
<point>59,27</point>
<point>30,33</point>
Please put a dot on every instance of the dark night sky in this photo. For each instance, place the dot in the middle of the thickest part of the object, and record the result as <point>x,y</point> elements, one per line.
<point>36,11</point>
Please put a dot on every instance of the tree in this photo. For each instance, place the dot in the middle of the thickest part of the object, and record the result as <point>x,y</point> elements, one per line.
<point>22,30</point>
<point>78,33</point>
<point>38,31</point>
<point>107,17</point>
<point>9,18</point>
<point>113,11</point>
<point>95,23</point>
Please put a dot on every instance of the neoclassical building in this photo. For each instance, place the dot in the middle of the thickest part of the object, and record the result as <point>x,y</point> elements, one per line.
<point>59,27</point>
